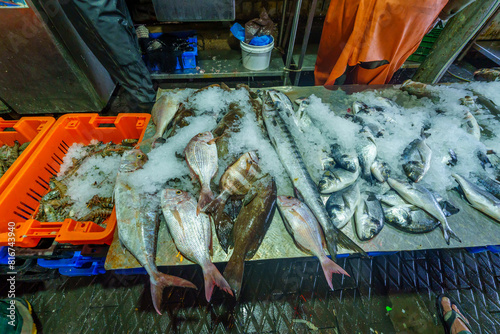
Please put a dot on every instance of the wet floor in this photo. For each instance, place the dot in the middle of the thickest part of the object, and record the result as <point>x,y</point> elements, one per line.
<point>386,294</point>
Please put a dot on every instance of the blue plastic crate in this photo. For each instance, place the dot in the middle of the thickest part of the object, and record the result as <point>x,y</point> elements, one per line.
<point>494,249</point>
<point>188,57</point>
<point>132,271</point>
<point>474,250</point>
<point>78,265</point>
<point>4,255</point>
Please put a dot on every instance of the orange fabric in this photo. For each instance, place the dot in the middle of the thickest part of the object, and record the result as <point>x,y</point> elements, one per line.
<point>357,31</point>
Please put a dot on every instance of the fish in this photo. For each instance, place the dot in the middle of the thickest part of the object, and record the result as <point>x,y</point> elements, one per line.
<point>162,114</point>
<point>236,180</point>
<point>409,219</point>
<point>192,235</point>
<point>346,160</point>
<point>303,120</point>
<point>470,103</point>
<point>417,159</point>
<point>478,198</point>
<point>387,102</point>
<point>368,218</point>
<point>491,186</point>
<point>380,170</point>
<point>367,152</point>
<point>250,228</point>
<point>372,126</point>
<point>342,204</point>
<point>391,198</point>
<point>421,197</point>
<point>306,232</point>
<point>137,223</point>
<point>487,74</point>
<point>417,89</point>
<point>453,158</point>
<point>471,126</point>
<point>224,229</point>
<point>336,179</point>
<point>293,163</point>
<point>201,157</point>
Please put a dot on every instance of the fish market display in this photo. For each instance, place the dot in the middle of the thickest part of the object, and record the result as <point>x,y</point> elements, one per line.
<point>342,204</point>
<point>201,157</point>
<point>480,199</point>
<point>424,199</point>
<point>9,154</point>
<point>192,235</point>
<point>250,228</point>
<point>368,218</point>
<point>83,189</point>
<point>137,221</point>
<point>302,224</point>
<point>297,171</point>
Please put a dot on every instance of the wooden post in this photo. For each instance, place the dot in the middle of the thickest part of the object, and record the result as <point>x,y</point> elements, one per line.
<point>459,30</point>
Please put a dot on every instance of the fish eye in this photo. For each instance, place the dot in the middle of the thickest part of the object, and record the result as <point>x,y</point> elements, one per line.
<point>178,192</point>
<point>289,197</point>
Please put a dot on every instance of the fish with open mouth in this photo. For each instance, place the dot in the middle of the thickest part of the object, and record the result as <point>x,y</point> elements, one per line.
<point>368,218</point>
<point>192,235</point>
<point>137,223</point>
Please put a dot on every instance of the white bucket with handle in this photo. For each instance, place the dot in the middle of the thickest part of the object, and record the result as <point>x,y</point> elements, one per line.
<point>256,57</point>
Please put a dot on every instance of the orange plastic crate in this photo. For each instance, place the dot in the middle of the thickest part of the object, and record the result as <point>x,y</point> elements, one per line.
<point>20,200</point>
<point>27,129</point>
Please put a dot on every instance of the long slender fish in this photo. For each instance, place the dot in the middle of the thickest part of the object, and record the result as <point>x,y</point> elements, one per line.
<point>420,196</point>
<point>201,157</point>
<point>290,157</point>
<point>137,221</point>
<point>479,199</point>
<point>301,223</point>
<point>192,234</point>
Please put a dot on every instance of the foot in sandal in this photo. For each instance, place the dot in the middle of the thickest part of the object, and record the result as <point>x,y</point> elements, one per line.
<point>452,316</point>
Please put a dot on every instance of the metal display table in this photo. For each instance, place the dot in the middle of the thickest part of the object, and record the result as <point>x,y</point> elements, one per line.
<point>474,228</point>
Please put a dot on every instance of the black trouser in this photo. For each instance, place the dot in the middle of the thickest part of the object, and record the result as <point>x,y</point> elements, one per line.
<point>108,30</point>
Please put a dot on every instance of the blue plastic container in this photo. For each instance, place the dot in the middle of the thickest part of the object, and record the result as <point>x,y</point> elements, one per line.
<point>78,265</point>
<point>188,57</point>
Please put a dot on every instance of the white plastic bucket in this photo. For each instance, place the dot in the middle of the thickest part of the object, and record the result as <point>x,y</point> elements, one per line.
<point>256,57</point>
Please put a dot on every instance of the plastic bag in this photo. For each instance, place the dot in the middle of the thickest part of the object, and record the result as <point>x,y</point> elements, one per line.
<point>238,31</point>
<point>259,27</point>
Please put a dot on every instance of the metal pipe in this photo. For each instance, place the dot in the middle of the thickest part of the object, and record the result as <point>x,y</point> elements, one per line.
<point>305,41</point>
<point>287,31</point>
<point>291,44</point>
<point>282,26</point>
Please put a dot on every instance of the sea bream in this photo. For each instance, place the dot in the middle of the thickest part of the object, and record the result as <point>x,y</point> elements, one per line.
<point>410,219</point>
<point>479,199</point>
<point>367,152</point>
<point>201,157</point>
<point>380,170</point>
<point>137,223</point>
<point>421,197</point>
<point>368,218</point>
<point>292,161</point>
<point>469,123</point>
<point>192,235</point>
<point>336,179</point>
<point>417,159</point>
<point>342,204</point>
<point>301,223</point>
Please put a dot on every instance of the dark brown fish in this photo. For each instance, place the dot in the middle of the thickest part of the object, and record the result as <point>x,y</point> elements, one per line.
<point>224,229</point>
<point>250,228</point>
<point>487,74</point>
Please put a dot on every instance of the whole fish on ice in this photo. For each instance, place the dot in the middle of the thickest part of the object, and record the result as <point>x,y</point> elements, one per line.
<point>409,219</point>
<point>368,218</point>
<point>380,170</point>
<point>306,232</point>
<point>417,159</point>
<point>201,157</point>
<point>292,161</point>
<point>192,235</point>
<point>342,204</point>
<point>137,223</point>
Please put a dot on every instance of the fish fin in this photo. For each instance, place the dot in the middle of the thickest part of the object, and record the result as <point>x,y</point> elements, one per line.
<point>252,193</point>
<point>177,216</point>
<point>346,242</point>
<point>330,268</point>
<point>448,233</point>
<point>218,203</point>
<point>206,196</point>
<point>212,141</point>
<point>211,246</point>
<point>234,273</point>
<point>160,281</point>
<point>212,277</point>
<point>298,194</point>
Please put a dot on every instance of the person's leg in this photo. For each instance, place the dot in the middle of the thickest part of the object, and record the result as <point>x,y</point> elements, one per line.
<point>454,320</point>
<point>107,29</point>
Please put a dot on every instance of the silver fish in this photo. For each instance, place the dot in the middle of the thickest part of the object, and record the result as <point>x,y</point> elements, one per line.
<point>346,160</point>
<point>380,171</point>
<point>470,103</point>
<point>368,218</point>
<point>137,222</point>
<point>391,198</point>
<point>491,186</point>
<point>301,223</point>
<point>479,199</point>
<point>417,156</point>
<point>303,119</point>
<point>290,157</point>
<point>201,157</point>
<point>409,219</point>
<point>470,125</point>
<point>336,179</point>
<point>342,204</point>
<point>421,197</point>
<point>192,234</point>
<point>367,152</point>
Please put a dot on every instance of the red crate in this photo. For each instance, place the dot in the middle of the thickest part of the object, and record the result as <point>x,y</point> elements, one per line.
<point>19,202</point>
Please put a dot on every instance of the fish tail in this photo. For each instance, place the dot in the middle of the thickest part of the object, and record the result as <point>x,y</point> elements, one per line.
<point>160,281</point>
<point>343,240</point>
<point>234,273</point>
<point>217,204</point>
<point>330,268</point>
<point>212,277</point>
<point>448,233</point>
<point>206,196</point>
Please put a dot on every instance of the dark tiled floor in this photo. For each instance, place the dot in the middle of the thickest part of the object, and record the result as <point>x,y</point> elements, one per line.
<point>386,294</point>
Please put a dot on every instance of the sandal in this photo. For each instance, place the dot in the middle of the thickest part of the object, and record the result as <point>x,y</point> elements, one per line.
<point>449,318</point>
